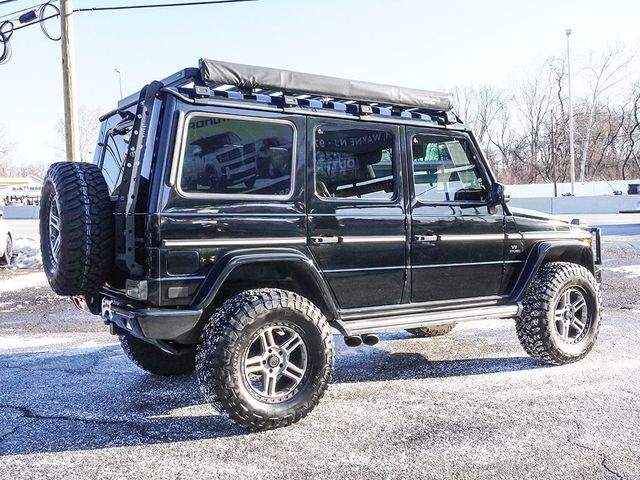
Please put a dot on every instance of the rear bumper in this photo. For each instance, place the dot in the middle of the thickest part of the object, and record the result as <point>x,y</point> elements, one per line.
<point>150,323</point>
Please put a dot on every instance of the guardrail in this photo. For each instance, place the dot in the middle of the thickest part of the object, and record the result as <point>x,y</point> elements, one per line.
<point>18,212</point>
<point>596,204</point>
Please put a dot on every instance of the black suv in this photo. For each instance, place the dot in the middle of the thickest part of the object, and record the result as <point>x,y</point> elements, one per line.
<point>234,216</point>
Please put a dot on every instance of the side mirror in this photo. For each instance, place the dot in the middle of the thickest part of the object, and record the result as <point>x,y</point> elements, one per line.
<point>497,196</point>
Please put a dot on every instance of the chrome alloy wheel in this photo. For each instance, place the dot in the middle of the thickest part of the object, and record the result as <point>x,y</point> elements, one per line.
<point>275,362</point>
<point>54,231</point>
<point>571,316</point>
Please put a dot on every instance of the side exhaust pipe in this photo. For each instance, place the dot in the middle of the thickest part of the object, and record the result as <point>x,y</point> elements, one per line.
<point>370,339</point>
<point>357,340</point>
<point>353,341</point>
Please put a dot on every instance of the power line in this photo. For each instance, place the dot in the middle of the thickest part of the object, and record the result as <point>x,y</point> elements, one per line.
<point>8,26</point>
<point>12,14</point>
<point>160,5</point>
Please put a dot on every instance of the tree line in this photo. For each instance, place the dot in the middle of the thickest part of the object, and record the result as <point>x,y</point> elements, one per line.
<point>524,130</point>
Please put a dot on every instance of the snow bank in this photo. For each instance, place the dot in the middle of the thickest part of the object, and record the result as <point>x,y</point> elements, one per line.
<point>12,342</point>
<point>22,282</point>
<point>631,271</point>
<point>26,254</point>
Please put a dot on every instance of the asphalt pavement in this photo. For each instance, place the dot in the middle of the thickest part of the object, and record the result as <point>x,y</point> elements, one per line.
<point>470,404</point>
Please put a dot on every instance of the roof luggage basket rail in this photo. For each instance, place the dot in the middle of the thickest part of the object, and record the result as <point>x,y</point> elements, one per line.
<point>289,90</point>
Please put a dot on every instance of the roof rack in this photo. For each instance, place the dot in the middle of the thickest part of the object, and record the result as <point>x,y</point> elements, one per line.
<point>288,89</point>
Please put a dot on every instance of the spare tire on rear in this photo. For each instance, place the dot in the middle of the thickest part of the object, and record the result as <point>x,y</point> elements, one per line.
<point>76,228</point>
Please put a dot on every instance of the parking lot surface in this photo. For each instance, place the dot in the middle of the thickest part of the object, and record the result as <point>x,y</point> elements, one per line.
<point>467,405</point>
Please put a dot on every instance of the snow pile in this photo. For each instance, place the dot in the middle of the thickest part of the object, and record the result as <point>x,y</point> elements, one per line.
<point>22,282</point>
<point>632,271</point>
<point>26,254</point>
<point>14,342</point>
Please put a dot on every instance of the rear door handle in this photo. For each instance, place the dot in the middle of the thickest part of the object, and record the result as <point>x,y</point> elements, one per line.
<point>317,240</point>
<point>425,238</point>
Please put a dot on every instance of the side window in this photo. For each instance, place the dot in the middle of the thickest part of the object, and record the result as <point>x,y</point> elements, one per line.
<point>444,170</point>
<point>356,163</point>
<point>114,151</point>
<point>237,156</point>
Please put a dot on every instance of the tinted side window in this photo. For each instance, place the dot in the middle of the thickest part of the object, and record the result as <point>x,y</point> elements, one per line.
<point>113,157</point>
<point>354,163</point>
<point>237,156</point>
<point>444,170</point>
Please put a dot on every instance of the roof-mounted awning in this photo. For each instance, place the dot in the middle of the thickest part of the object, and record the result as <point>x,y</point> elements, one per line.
<point>286,81</point>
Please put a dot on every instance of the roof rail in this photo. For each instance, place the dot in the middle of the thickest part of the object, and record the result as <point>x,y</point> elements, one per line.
<point>274,88</point>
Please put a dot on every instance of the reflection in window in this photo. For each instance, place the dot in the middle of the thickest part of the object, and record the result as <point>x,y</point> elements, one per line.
<point>354,163</point>
<point>237,156</point>
<point>443,170</point>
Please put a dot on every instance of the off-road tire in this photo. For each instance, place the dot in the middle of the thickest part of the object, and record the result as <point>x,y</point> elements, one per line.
<point>5,259</point>
<point>436,331</point>
<point>153,360</point>
<point>86,228</point>
<point>535,324</point>
<point>225,341</point>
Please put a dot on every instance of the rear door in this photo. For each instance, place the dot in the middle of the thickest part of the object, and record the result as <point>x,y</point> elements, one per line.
<point>356,213</point>
<point>457,246</point>
<point>237,182</point>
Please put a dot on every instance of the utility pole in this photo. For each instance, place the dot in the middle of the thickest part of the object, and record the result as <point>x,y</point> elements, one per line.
<point>70,113</point>
<point>572,153</point>
<point>553,158</point>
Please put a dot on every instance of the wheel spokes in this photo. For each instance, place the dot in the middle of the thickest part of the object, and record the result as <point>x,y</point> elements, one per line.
<point>275,362</point>
<point>269,383</point>
<point>267,341</point>
<point>254,364</point>
<point>291,343</point>
<point>54,222</point>
<point>293,372</point>
<point>55,248</point>
<point>571,315</point>
<point>579,304</point>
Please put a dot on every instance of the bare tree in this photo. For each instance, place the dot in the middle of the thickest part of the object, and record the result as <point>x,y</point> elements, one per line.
<point>534,104</point>
<point>6,147</point>
<point>88,129</point>
<point>606,73</point>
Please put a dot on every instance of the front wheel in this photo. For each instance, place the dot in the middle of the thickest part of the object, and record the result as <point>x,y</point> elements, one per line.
<point>560,319</point>
<point>266,358</point>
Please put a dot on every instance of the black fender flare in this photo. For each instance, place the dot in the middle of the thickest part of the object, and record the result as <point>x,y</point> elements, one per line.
<point>575,250</point>
<point>232,260</point>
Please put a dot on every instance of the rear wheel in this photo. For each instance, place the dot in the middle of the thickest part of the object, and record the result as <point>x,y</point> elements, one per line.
<point>153,360</point>
<point>5,259</point>
<point>266,358</point>
<point>436,331</point>
<point>560,319</point>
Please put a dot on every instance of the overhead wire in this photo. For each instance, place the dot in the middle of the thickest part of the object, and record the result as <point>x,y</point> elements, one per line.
<point>8,26</point>
<point>12,15</point>
<point>159,5</point>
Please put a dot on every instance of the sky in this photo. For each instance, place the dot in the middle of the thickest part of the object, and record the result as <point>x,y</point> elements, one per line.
<point>416,43</point>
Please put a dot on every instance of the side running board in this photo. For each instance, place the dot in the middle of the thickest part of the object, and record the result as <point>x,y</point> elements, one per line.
<point>417,320</point>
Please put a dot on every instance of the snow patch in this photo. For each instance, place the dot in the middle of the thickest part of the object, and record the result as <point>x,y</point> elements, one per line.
<point>13,342</point>
<point>26,254</point>
<point>22,282</point>
<point>631,271</point>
